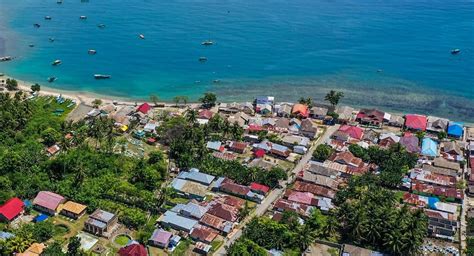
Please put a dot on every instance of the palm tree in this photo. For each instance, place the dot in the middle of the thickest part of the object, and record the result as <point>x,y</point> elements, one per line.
<point>154,98</point>
<point>334,97</point>
<point>191,116</point>
<point>305,236</point>
<point>176,100</point>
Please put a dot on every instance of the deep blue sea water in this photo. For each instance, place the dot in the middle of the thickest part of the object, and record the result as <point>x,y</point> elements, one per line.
<point>284,48</point>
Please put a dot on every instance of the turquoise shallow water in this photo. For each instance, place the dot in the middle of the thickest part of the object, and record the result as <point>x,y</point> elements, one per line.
<point>283,48</point>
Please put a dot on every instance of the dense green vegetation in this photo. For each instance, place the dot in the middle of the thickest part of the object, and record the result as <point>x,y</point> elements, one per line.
<point>368,215</point>
<point>322,152</point>
<point>187,142</point>
<point>393,163</point>
<point>86,170</point>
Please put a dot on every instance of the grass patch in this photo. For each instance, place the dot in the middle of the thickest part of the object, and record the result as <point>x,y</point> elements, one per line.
<point>181,248</point>
<point>178,200</point>
<point>216,244</point>
<point>399,195</point>
<point>122,240</point>
<point>60,230</point>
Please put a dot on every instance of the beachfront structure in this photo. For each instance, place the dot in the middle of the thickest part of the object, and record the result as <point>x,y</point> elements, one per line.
<point>160,238</point>
<point>345,113</point>
<point>410,142</point>
<point>48,202</point>
<point>300,110</point>
<point>308,128</point>
<point>144,108</point>
<point>318,112</point>
<point>11,209</point>
<point>436,124</point>
<point>455,130</point>
<point>415,122</point>
<point>101,223</point>
<point>372,117</point>
<point>284,109</point>
<point>73,210</point>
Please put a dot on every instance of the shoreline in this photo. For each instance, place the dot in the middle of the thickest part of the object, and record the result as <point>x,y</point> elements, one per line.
<point>86,98</point>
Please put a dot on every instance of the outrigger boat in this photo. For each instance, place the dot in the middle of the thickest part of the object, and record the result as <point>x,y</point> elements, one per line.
<point>6,58</point>
<point>52,79</point>
<point>99,76</point>
<point>92,52</point>
<point>56,62</point>
<point>455,51</point>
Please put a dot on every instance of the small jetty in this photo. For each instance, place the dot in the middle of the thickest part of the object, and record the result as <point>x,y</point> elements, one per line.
<point>56,62</point>
<point>207,43</point>
<point>83,17</point>
<point>52,79</point>
<point>100,76</point>
<point>455,51</point>
<point>6,58</point>
<point>92,52</point>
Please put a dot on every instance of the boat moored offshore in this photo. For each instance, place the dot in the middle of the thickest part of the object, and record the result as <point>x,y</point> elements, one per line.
<point>207,43</point>
<point>83,17</point>
<point>6,58</point>
<point>52,79</point>
<point>56,62</point>
<point>455,51</point>
<point>100,76</point>
<point>92,51</point>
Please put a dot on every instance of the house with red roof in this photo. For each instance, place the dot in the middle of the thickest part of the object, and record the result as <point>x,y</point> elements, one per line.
<point>352,131</point>
<point>416,122</point>
<point>203,234</point>
<point>370,117</point>
<point>48,202</point>
<point>224,211</point>
<point>205,114</point>
<point>235,189</point>
<point>259,188</point>
<point>306,198</point>
<point>133,249</point>
<point>286,205</point>
<point>11,209</point>
<point>300,110</point>
<point>259,153</point>
<point>144,108</point>
<point>238,147</point>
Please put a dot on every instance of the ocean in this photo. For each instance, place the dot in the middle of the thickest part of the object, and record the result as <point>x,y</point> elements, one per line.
<point>391,54</point>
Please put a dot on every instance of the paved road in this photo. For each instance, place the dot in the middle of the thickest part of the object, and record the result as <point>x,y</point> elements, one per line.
<point>276,193</point>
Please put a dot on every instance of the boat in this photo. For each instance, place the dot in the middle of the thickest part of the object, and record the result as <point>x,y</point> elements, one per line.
<point>6,58</point>
<point>83,17</point>
<point>36,25</point>
<point>216,81</point>
<point>59,2</point>
<point>207,43</point>
<point>47,18</point>
<point>52,79</point>
<point>141,36</point>
<point>455,51</point>
<point>51,39</point>
<point>31,45</point>
<point>56,62</point>
<point>379,70</point>
<point>100,76</point>
<point>1,74</point>
<point>202,59</point>
<point>92,52</point>
<point>101,25</point>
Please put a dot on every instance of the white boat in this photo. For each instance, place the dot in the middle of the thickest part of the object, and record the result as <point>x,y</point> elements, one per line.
<point>100,76</point>
<point>47,18</point>
<point>83,17</point>
<point>141,36</point>
<point>6,58</point>
<point>56,62</point>
<point>455,51</point>
<point>207,43</point>
<point>92,52</point>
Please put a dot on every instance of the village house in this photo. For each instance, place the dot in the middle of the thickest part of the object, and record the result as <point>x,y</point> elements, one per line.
<point>48,202</point>
<point>35,249</point>
<point>318,112</point>
<point>428,177</point>
<point>388,139</point>
<point>239,190</point>
<point>259,188</point>
<point>443,163</point>
<point>202,248</point>
<point>227,156</point>
<point>73,210</point>
<point>321,169</point>
<point>396,121</point>
<point>429,202</point>
<point>300,110</point>
<point>286,205</point>
<point>282,124</point>
<point>217,223</point>
<point>352,131</point>
<point>451,150</point>
<point>470,133</point>
<point>294,140</point>
<point>440,170</point>
<point>240,118</point>
<point>223,211</point>
<point>160,238</point>
<point>284,110</point>
<point>133,249</point>
<point>197,176</point>
<point>317,179</point>
<point>345,114</point>
<point>190,210</point>
<point>189,189</point>
<point>429,148</point>
<point>372,117</point>
<point>411,143</point>
<point>229,108</point>
<point>238,147</point>
<point>261,163</point>
<point>436,124</point>
<point>371,136</point>
<point>11,209</point>
<point>215,145</point>
<point>144,108</point>
<point>314,189</point>
<point>450,194</point>
<point>455,130</point>
<point>306,198</point>
<point>177,222</point>
<point>101,223</point>
<point>308,128</point>
<point>415,122</point>
<point>441,224</point>
<point>247,108</point>
<point>203,234</point>
<point>355,165</point>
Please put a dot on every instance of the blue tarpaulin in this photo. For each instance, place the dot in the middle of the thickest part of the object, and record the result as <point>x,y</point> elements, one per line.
<point>432,202</point>
<point>40,218</point>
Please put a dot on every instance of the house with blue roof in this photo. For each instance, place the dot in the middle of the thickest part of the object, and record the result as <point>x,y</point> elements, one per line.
<point>429,148</point>
<point>177,222</point>
<point>455,130</point>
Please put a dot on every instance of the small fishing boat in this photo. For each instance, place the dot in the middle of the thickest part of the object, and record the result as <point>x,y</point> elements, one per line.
<point>100,76</point>
<point>455,51</point>
<point>202,59</point>
<point>101,25</point>
<point>379,70</point>
<point>56,62</point>
<point>52,79</point>
<point>59,2</point>
<point>141,36</point>
<point>207,43</point>
<point>51,39</point>
<point>36,25</point>
<point>47,18</point>
<point>216,81</point>
<point>31,45</point>
<point>6,58</point>
<point>92,52</point>
<point>83,17</point>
